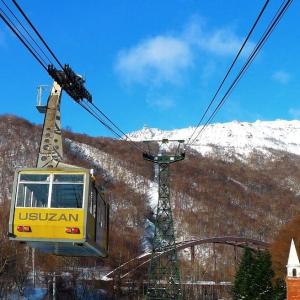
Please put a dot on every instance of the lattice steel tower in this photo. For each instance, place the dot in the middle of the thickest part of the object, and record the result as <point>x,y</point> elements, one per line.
<point>164,274</point>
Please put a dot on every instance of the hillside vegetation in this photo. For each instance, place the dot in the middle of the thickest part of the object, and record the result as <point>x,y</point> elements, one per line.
<point>211,195</point>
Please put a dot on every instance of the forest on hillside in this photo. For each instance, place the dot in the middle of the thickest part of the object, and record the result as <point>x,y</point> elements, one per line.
<point>211,196</point>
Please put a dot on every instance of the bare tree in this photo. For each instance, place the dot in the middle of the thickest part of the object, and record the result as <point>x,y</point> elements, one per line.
<point>20,272</point>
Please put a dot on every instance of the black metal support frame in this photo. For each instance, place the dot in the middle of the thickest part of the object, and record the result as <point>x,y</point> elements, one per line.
<point>163,273</point>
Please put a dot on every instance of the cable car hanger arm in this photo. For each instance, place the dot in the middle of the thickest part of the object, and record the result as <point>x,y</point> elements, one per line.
<point>69,81</point>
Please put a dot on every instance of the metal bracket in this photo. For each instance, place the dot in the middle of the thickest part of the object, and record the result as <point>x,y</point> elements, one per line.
<point>51,152</point>
<point>72,83</point>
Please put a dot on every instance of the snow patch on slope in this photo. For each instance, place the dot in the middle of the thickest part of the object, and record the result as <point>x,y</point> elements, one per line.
<point>114,169</point>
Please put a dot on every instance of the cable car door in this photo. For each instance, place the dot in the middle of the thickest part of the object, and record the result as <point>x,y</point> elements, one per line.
<point>101,222</point>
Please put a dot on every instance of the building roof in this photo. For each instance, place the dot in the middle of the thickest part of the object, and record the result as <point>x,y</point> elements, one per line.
<point>293,260</point>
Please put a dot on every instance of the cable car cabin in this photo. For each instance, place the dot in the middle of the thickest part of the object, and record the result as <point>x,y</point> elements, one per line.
<point>59,211</point>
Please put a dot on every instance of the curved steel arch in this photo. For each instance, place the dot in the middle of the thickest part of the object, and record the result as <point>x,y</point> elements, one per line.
<point>141,260</point>
<point>240,242</point>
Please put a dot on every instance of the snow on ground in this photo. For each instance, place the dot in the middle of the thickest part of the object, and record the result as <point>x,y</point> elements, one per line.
<point>152,194</point>
<point>114,168</point>
<point>241,138</point>
<point>238,183</point>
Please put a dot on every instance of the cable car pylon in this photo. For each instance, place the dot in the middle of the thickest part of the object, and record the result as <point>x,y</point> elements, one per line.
<point>164,273</point>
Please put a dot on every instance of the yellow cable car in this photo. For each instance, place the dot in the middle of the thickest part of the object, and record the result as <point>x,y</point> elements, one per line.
<point>56,207</point>
<point>59,211</point>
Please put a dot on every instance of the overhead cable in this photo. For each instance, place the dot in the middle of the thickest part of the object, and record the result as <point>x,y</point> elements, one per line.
<point>22,39</point>
<point>28,33</point>
<point>37,33</point>
<point>283,8</point>
<point>94,110</point>
<point>90,110</point>
<point>109,120</point>
<point>230,68</point>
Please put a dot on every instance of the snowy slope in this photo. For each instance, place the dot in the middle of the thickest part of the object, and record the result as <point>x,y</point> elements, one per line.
<point>114,169</point>
<point>241,138</point>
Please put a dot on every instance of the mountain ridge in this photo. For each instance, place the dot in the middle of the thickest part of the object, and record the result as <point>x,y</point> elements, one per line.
<point>242,138</point>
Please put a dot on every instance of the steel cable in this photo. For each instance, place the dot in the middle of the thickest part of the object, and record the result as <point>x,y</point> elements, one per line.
<point>28,33</point>
<point>38,57</point>
<point>230,68</point>
<point>23,40</point>
<point>37,33</point>
<point>97,117</point>
<point>280,12</point>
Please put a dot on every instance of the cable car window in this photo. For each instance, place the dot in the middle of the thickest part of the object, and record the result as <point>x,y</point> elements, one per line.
<point>33,190</point>
<point>68,178</point>
<point>32,195</point>
<point>67,191</point>
<point>34,177</point>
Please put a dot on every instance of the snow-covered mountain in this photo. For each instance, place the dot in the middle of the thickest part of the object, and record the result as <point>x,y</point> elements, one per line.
<point>241,138</point>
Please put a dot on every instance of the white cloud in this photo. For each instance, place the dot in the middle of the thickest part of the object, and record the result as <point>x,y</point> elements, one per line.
<point>158,59</point>
<point>281,77</point>
<point>165,58</point>
<point>295,113</point>
<point>222,41</point>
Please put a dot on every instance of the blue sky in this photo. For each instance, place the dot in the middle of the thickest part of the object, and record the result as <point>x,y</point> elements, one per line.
<point>156,63</point>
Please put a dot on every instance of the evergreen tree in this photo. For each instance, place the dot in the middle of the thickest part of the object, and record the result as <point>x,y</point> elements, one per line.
<point>262,277</point>
<point>253,280</point>
<point>243,284</point>
<point>279,290</point>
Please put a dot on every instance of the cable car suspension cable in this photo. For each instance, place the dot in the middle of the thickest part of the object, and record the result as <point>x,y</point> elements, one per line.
<point>28,33</point>
<point>22,39</point>
<point>37,33</point>
<point>125,137</point>
<point>108,119</point>
<point>62,77</point>
<point>279,14</point>
<point>230,68</point>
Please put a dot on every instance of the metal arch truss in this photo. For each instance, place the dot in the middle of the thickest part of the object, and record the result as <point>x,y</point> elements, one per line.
<point>133,265</point>
<point>163,273</point>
